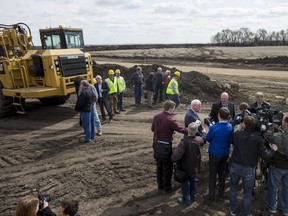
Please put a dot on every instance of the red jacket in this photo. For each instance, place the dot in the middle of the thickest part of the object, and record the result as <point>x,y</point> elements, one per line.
<point>164,125</point>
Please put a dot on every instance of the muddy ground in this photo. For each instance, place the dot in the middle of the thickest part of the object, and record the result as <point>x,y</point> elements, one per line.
<point>115,174</point>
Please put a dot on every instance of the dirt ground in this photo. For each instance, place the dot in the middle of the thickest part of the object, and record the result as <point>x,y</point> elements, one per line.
<point>114,174</point>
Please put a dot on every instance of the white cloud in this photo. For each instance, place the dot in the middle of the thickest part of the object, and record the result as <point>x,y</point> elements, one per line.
<point>149,21</point>
<point>132,4</point>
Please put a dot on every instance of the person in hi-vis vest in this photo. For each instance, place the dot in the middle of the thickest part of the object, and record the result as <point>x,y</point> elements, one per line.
<point>121,86</point>
<point>172,90</point>
<point>111,80</point>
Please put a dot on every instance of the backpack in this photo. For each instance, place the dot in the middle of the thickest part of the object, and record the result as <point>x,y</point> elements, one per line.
<point>180,174</point>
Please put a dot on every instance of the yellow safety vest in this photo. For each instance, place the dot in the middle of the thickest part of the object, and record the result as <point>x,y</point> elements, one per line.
<point>121,83</point>
<point>112,85</point>
<point>169,87</point>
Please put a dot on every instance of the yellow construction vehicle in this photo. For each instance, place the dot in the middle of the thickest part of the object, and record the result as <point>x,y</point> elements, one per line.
<point>47,74</point>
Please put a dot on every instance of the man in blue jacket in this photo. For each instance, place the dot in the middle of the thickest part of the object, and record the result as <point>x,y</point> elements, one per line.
<point>219,138</point>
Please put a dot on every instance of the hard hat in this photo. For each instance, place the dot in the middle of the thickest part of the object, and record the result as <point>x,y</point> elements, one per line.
<point>177,73</point>
<point>117,71</point>
<point>111,72</point>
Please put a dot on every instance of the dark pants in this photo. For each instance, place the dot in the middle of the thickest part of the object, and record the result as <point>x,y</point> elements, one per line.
<point>138,93</point>
<point>164,173</point>
<point>217,166</point>
<point>120,101</point>
<point>103,102</point>
<point>158,92</point>
<point>113,100</point>
<point>175,98</point>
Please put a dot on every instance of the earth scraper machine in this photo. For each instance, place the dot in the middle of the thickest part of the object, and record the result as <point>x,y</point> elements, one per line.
<point>46,74</point>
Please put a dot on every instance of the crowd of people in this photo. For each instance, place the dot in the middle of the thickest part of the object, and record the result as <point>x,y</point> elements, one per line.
<point>234,146</point>
<point>109,94</point>
<point>234,151</point>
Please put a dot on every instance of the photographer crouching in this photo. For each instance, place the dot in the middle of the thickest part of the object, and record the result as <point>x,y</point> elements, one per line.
<point>248,145</point>
<point>278,171</point>
<point>39,206</point>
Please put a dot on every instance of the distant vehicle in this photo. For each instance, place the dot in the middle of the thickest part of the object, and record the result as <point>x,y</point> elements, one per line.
<point>47,74</point>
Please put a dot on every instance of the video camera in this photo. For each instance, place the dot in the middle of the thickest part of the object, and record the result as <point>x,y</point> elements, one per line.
<point>208,121</point>
<point>43,198</point>
<point>266,119</point>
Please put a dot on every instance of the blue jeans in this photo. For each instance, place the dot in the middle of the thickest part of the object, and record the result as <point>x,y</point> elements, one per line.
<point>175,98</point>
<point>87,120</point>
<point>188,189</point>
<point>98,126</point>
<point>120,101</point>
<point>247,174</point>
<point>138,93</point>
<point>276,176</point>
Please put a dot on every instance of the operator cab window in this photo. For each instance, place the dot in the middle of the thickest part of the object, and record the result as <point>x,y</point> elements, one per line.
<point>74,40</point>
<point>62,38</point>
<point>52,42</point>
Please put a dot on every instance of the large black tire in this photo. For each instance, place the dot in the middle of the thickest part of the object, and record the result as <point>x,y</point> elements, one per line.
<point>6,107</point>
<point>54,100</point>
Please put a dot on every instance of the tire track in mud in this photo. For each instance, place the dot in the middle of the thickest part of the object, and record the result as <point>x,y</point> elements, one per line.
<point>53,161</point>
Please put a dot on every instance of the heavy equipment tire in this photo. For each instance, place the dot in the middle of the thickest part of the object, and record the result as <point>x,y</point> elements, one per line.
<point>54,100</point>
<point>6,107</point>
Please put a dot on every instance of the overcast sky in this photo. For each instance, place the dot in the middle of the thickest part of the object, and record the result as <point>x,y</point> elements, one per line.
<point>147,21</point>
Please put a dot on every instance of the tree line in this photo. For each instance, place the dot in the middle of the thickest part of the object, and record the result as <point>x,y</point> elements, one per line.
<point>245,37</point>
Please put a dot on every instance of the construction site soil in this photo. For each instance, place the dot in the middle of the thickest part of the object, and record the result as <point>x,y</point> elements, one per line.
<point>115,174</point>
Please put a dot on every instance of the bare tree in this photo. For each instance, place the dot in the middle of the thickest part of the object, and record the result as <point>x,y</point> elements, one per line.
<point>244,36</point>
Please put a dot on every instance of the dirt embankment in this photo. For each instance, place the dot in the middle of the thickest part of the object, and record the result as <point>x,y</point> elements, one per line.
<point>192,84</point>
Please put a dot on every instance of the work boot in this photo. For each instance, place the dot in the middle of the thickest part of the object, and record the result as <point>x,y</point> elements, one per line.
<point>99,133</point>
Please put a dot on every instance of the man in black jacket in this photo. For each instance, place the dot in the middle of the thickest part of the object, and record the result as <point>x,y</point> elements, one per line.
<point>248,145</point>
<point>137,80</point>
<point>222,103</point>
<point>84,105</point>
<point>103,97</point>
<point>158,85</point>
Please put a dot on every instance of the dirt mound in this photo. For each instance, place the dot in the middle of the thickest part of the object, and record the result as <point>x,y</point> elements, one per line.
<point>192,84</point>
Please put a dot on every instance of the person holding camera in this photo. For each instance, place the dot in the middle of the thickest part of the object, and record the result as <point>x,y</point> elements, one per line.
<point>240,116</point>
<point>163,126</point>
<point>188,152</point>
<point>219,138</point>
<point>39,206</point>
<point>248,144</point>
<point>28,206</point>
<point>278,171</point>
<point>32,206</point>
